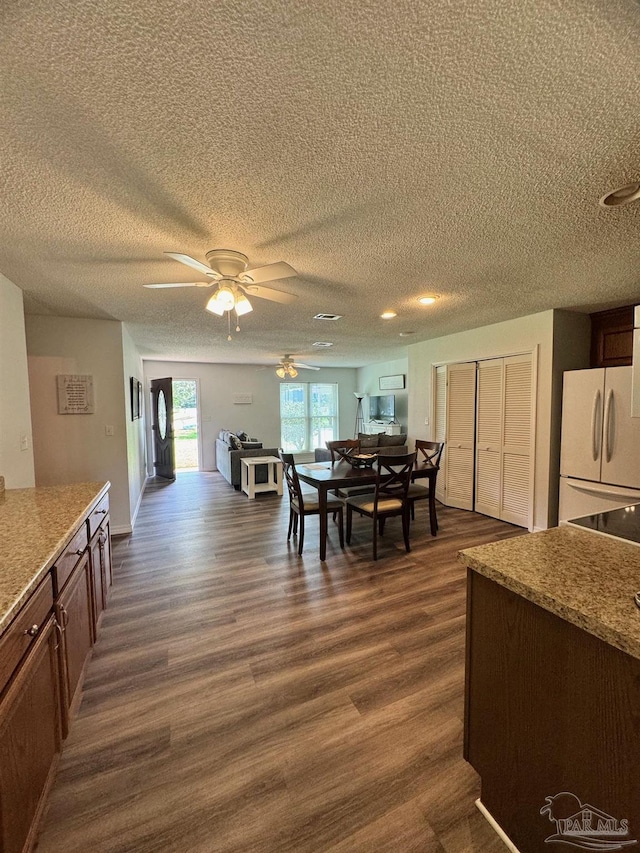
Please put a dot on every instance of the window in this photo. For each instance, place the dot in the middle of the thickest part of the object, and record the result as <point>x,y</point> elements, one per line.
<point>308,415</point>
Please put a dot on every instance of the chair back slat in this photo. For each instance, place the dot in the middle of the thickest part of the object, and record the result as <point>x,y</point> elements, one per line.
<point>394,476</point>
<point>429,451</point>
<point>291,478</point>
<point>342,447</point>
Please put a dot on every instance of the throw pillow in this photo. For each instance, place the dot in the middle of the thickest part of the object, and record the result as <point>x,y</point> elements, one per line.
<point>242,435</point>
<point>393,440</point>
<point>235,442</point>
<point>369,440</point>
<point>251,445</point>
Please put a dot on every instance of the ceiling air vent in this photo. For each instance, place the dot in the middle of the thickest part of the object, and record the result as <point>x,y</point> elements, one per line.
<point>328,317</point>
<point>322,344</point>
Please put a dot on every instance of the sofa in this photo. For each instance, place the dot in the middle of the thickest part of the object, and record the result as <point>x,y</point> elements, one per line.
<point>380,443</point>
<point>231,448</point>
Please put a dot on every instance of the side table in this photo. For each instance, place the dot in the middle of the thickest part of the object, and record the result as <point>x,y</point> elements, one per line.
<point>274,482</point>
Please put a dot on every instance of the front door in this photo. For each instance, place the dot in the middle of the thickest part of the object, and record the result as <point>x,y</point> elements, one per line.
<point>162,427</point>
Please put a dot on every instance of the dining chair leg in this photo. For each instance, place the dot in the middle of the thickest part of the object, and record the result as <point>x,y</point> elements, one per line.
<point>292,515</point>
<point>413,510</point>
<point>301,539</point>
<point>295,523</point>
<point>341,527</point>
<point>433,519</point>
<point>375,540</point>
<point>381,522</point>
<point>405,529</point>
<point>349,522</point>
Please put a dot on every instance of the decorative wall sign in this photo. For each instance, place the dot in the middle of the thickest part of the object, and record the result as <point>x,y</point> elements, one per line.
<point>136,398</point>
<point>242,399</point>
<point>75,394</point>
<point>391,383</point>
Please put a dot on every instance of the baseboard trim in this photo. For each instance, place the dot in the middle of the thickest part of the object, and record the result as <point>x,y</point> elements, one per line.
<point>139,502</point>
<point>496,826</point>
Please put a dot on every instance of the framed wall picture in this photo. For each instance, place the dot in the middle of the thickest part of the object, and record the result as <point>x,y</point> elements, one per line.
<point>391,383</point>
<point>136,398</point>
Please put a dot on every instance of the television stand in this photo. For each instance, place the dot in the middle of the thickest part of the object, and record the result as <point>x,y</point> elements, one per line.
<point>373,427</point>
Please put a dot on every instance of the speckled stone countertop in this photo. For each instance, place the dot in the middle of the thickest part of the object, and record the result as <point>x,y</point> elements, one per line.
<point>587,579</point>
<point>35,526</point>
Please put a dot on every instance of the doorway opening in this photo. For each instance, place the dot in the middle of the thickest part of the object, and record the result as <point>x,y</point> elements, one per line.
<point>185,424</point>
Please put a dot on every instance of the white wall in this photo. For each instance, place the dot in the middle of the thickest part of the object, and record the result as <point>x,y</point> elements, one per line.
<point>369,384</point>
<point>16,464</point>
<point>75,448</point>
<point>261,419</point>
<point>135,430</point>
<point>499,339</point>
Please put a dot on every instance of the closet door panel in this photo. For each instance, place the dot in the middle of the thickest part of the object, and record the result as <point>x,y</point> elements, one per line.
<point>490,405</point>
<point>517,440</point>
<point>461,417</point>
<point>441,430</point>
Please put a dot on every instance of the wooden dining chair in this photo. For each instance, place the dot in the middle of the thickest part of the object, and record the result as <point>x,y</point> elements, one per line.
<point>302,504</point>
<point>429,452</point>
<point>393,478</point>
<point>338,450</point>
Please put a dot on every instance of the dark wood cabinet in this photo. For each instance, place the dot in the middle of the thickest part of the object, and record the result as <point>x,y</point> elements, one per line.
<point>100,549</point>
<point>30,739</point>
<point>75,614</point>
<point>612,337</point>
<point>43,653</point>
<point>549,708</point>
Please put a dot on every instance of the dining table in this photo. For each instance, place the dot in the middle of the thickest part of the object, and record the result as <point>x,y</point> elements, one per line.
<point>329,476</point>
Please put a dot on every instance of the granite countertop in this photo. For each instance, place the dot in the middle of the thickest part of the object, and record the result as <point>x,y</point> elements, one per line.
<point>35,526</point>
<point>587,579</point>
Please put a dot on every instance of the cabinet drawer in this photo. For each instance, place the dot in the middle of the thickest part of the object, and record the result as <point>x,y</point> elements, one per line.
<point>67,562</point>
<point>20,634</point>
<point>98,515</point>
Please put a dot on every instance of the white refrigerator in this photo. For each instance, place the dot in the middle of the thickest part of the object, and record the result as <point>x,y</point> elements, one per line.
<point>600,448</point>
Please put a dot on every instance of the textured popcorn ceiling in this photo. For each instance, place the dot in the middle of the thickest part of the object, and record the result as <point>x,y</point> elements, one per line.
<point>384,149</point>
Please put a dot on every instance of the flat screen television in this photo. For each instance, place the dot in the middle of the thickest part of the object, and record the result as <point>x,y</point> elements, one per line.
<point>382,408</point>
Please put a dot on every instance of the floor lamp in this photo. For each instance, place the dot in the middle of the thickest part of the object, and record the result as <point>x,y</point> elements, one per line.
<point>359,427</point>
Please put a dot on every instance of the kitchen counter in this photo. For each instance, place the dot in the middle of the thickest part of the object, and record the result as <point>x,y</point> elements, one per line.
<point>35,526</point>
<point>552,683</point>
<point>586,579</point>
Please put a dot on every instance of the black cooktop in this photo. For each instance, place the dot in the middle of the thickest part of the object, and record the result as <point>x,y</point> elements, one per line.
<point>623,523</point>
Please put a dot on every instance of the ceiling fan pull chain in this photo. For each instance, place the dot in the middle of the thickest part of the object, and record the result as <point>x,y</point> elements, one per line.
<point>229,325</point>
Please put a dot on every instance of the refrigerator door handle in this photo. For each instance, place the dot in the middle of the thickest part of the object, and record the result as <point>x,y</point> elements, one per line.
<point>595,428</point>
<point>608,411</point>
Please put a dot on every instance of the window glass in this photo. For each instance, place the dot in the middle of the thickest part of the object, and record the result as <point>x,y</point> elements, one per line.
<point>308,415</point>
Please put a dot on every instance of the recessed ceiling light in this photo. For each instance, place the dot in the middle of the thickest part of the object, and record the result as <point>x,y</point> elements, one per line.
<point>405,334</point>
<point>427,300</point>
<point>322,344</point>
<point>328,317</point>
<point>619,197</point>
<point>388,315</point>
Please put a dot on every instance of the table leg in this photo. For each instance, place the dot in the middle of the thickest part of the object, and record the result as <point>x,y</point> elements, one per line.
<point>322,506</point>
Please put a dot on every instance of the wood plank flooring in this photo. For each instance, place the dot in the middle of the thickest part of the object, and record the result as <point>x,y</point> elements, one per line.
<point>242,698</point>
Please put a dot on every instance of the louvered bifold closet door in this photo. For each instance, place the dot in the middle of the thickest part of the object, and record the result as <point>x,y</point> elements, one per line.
<point>517,440</point>
<point>490,412</point>
<point>461,428</point>
<point>441,430</point>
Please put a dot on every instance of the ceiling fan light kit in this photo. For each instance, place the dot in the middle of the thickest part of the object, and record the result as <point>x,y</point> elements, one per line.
<point>229,269</point>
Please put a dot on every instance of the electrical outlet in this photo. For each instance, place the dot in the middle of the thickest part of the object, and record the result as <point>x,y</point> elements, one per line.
<point>108,430</point>
<point>24,442</point>
<point>426,421</point>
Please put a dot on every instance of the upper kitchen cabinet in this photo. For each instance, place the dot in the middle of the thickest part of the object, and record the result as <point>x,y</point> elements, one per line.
<point>612,337</point>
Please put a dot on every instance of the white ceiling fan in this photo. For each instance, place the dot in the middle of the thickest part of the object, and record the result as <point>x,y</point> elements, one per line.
<point>235,281</point>
<point>287,367</point>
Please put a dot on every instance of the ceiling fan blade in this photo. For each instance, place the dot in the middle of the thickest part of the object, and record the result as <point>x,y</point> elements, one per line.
<point>303,366</point>
<point>191,262</point>
<point>269,293</point>
<point>181,284</point>
<point>270,272</point>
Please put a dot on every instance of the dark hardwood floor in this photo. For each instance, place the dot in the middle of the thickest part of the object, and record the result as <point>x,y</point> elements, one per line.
<point>242,698</point>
